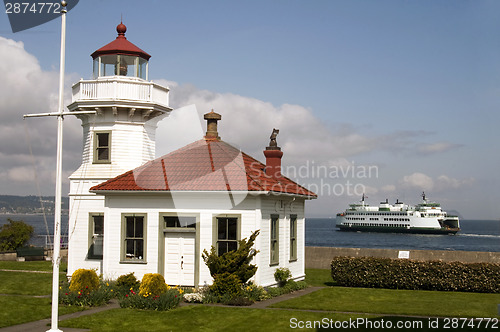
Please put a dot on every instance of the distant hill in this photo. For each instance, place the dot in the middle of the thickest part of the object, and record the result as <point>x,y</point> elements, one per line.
<point>30,204</point>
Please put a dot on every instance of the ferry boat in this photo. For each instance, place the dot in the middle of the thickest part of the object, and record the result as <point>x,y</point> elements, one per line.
<point>424,218</point>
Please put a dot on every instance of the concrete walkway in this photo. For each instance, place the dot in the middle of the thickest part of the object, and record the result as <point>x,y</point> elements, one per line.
<point>44,324</point>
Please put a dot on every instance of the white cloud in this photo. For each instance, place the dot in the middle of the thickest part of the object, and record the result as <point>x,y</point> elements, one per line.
<point>417,180</point>
<point>248,122</point>
<point>25,88</point>
<point>441,183</point>
<point>438,147</point>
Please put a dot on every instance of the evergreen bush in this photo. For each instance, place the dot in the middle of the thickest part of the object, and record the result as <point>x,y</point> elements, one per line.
<point>128,281</point>
<point>230,271</point>
<point>14,235</point>
<point>409,274</point>
<point>84,280</point>
<point>153,284</point>
<point>235,262</point>
<point>282,275</point>
<point>226,284</point>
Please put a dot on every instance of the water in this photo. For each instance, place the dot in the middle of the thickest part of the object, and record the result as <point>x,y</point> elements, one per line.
<point>38,223</point>
<point>476,235</point>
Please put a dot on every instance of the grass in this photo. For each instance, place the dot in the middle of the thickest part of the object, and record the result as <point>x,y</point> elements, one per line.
<point>319,277</point>
<point>30,266</point>
<point>370,303</point>
<point>21,305</point>
<point>23,309</point>
<point>197,318</point>
<point>397,302</point>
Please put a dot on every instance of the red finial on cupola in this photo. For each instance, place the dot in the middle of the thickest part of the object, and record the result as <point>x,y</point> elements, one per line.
<point>121,29</point>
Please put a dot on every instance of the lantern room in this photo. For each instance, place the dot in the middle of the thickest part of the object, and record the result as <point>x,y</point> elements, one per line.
<point>120,58</point>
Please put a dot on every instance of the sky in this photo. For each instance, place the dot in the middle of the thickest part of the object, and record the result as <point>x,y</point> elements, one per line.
<point>388,98</point>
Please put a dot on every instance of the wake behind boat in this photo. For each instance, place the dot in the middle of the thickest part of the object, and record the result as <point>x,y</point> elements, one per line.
<point>424,218</point>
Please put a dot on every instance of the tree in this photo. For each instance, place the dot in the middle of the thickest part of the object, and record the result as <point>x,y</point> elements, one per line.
<point>15,234</point>
<point>236,262</point>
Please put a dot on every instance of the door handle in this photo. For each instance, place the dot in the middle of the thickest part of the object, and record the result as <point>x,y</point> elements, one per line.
<point>182,262</point>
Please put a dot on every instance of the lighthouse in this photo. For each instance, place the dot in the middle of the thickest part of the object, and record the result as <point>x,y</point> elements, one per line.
<point>119,136</point>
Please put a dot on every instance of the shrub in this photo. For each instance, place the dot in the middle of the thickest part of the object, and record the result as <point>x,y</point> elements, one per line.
<point>235,262</point>
<point>409,274</point>
<point>84,280</point>
<point>291,286</point>
<point>127,281</point>
<point>165,301</point>
<point>14,235</point>
<point>226,284</point>
<point>282,275</point>
<point>94,298</point>
<point>254,292</point>
<point>153,284</point>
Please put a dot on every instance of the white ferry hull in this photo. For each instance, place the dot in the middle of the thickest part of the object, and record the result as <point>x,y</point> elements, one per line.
<point>388,228</point>
<point>425,218</point>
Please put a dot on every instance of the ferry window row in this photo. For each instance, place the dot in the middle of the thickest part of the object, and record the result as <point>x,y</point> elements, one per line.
<point>392,213</point>
<point>396,219</point>
<point>376,219</point>
<point>375,225</point>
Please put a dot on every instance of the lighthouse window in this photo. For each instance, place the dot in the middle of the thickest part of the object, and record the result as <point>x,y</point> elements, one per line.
<point>134,237</point>
<point>96,236</point>
<point>102,144</point>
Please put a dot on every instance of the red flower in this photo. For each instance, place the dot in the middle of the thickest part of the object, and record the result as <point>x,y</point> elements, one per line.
<point>126,295</point>
<point>66,293</point>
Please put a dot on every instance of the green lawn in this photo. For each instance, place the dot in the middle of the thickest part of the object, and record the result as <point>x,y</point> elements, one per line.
<point>319,277</point>
<point>31,266</point>
<point>198,318</point>
<point>21,305</point>
<point>22,309</point>
<point>400,302</point>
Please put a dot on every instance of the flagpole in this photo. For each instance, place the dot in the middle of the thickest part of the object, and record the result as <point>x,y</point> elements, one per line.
<point>56,259</point>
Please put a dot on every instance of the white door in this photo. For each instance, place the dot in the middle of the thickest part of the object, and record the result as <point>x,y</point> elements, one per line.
<point>179,258</point>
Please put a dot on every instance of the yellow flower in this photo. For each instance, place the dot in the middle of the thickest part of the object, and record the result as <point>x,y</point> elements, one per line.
<point>107,284</point>
<point>181,291</point>
<point>111,290</point>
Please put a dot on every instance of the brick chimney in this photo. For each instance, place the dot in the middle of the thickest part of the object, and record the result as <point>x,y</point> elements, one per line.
<point>273,155</point>
<point>212,119</point>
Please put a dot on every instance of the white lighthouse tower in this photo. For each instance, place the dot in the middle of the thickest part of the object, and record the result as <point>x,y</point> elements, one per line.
<point>118,137</point>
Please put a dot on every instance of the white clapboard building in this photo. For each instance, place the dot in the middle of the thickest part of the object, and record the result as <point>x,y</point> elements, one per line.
<point>130,212</point>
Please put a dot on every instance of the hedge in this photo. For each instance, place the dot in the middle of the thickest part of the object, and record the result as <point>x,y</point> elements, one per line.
<point>409,274</point>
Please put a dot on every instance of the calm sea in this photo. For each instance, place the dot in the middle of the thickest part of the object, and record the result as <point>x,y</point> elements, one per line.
<point>476,235</point>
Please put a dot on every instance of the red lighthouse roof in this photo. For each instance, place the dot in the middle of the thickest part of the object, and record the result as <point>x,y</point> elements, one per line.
<point>121,46</point>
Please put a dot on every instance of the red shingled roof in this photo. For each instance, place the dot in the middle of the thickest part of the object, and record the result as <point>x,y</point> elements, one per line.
<point>204,165</point>
<point>121,46</point>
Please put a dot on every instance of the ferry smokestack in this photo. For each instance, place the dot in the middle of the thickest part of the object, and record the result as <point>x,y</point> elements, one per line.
<point>273,155</point>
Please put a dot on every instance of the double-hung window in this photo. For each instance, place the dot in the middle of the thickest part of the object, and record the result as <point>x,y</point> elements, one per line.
<point>96,236</point>
<point>274,240</point>
<point>134,237</point>
<point>227,235</point>
<point>102,147</point>
<point>293,237</point>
